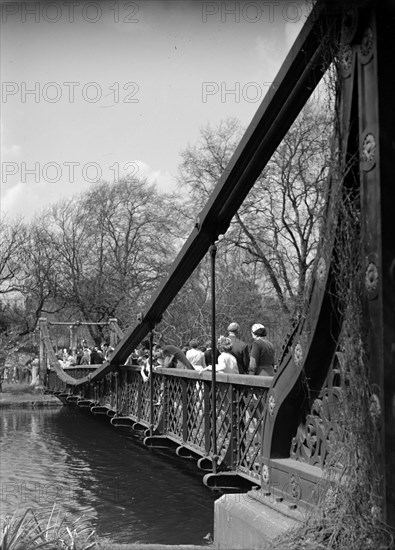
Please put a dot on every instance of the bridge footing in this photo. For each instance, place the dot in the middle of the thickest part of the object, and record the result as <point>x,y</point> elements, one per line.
<point>159,442</point>
<point>72,398</point>
<point>122,422</point>
<point>244,522</point>
<point>185,452</point>
<point>85,403</point>
<point>140,428</point>
<point>205,463</point>
<point>102,410</point>
<point>228,481</point>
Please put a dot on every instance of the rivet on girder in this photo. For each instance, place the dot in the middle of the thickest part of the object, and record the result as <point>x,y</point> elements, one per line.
<point>371,279</point>
<point>368,152</point>
<point>366,47</point>
<point>298,354</point>
<point>265,474</point>
<point>272,405</point>
<point>346,59</point>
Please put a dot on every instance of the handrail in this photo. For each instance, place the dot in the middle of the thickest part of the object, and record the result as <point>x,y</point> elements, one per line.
<point>240,379</point>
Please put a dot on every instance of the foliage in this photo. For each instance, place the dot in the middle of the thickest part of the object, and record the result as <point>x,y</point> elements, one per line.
<point>277,225</point>
<point>12,314</point>
<point>12,235</point>
<point>97,255</point>
<point>29,530</point>
<point>189,315</point>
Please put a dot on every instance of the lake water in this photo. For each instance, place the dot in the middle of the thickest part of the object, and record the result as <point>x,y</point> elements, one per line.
<point>133,494</point>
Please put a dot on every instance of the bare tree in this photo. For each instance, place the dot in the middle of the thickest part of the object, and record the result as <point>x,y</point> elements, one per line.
<point>131,225</point>
<point>277,225</point>
<point>100,254</point>
<point>237,298</point>
<point>41,277</point>
<point>11,236</point>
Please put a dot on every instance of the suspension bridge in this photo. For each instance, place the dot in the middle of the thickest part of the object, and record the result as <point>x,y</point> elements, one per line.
<point>249,432</point>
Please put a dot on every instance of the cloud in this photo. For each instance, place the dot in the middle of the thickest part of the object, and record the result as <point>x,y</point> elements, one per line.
<point>26,199</point>
<point>13,151</point>
<point>8,151</point>
<point>164,181</point>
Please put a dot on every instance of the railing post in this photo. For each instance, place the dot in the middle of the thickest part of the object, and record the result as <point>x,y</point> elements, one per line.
<point>206,397</point>
<point>139,398</point>
<point>151,386</point>
<point>165,404</point>
<point>232,394</point>
<point>184,398</point>
<point>213,252</point>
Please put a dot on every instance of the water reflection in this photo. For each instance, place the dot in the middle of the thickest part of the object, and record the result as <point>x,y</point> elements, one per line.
<point>133,494</point>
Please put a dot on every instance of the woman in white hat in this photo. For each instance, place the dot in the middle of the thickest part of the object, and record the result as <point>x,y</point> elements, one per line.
<point>262,352</point>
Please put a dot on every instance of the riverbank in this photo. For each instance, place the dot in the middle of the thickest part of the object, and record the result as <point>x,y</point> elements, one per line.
<point>26,396</point>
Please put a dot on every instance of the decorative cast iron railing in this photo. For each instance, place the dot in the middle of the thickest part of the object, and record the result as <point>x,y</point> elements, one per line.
<point>176,413</point>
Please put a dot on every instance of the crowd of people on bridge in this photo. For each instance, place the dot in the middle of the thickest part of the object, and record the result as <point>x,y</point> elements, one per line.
<point>85,355</point>
<point>233,355</point>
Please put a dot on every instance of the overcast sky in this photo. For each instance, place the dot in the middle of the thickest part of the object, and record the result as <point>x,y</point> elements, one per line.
<point>102,89</point>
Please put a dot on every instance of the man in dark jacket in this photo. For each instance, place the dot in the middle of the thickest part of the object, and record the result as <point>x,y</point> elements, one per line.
<point>239,348</point>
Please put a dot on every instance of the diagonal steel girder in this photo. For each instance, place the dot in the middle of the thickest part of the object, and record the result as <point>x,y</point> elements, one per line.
<point>305,64</point>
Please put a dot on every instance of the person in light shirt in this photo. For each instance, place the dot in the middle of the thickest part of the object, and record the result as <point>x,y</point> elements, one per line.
<point>226,361</point>
<point>195,355</point>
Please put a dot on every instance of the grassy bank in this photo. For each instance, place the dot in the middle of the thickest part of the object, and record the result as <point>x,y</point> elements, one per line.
<point>12,538</point>
<point>136,546</point>
<point>24,396</point>
<point>31,529</point>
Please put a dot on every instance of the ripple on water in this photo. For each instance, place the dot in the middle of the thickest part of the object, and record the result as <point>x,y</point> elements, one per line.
<point>82,463</point>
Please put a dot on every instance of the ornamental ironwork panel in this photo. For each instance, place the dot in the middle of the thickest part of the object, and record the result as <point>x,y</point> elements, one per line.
<point>173,417</point>
<point>319,434</point>
<point>224,425</point>
<point>195,423</point>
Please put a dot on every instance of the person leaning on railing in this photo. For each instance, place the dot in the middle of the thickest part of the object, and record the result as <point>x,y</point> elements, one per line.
<point>262,352</point>
<point>195,355</point>
<point>144,361</point>
<point>226,361</point>
<point>174,357</point>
